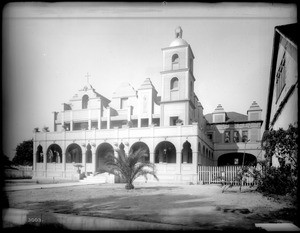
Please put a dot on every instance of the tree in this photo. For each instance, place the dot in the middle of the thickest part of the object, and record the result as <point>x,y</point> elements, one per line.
<point>129,166</point>
<point>24,153</point>
<point>282,144</point>
<point>6,162</point>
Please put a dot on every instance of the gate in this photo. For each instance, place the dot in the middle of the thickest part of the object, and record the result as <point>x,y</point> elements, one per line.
<point>221,174</point>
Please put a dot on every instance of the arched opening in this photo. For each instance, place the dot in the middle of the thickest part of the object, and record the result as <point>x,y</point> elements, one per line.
<point>174,83</point>
<point>175,61</point>
<point>165,152</point>
<point>88,154</point>
<point>74,154</point>
<point>85,101</point>
<point>39,154</point>
<point>186,153</point>
<point>102,153</point>
<point>54,154</point>
<point>237,159</point>
<point>143,146</point>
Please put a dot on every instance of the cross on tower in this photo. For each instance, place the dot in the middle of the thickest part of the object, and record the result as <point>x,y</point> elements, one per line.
<point>87,77</point>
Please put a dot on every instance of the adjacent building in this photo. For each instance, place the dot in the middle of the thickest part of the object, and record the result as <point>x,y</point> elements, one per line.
<point>282,105</point>
<point>171,127</point>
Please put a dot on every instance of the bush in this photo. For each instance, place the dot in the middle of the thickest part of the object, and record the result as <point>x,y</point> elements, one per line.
<point>283,145</point>
<point>279,181</point>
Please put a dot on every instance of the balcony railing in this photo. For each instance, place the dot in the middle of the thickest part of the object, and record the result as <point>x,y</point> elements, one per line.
<point>78,115</point>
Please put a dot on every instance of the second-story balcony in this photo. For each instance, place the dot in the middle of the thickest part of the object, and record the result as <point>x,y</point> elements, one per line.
<point>78,115</point>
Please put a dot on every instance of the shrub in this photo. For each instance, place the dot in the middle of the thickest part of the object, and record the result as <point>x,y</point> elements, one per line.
<point>278,181</point>
<point>283,145</point>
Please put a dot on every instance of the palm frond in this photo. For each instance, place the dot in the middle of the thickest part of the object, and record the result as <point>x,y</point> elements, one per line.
<point>136,156</point>
<point>145,173</point>
<point>130,166</point>
<point>142,169</point>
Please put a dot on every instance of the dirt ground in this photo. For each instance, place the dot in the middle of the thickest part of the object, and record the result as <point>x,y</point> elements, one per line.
<point>188,205</point>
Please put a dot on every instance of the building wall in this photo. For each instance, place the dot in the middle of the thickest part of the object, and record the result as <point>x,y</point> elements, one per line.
<point>182,52</point>
<point>289,114</point>
<point>285,108</point>
<point>152,136</point>
<point>175,109</point>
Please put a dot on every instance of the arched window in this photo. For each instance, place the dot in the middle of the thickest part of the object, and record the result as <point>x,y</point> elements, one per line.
<point>39,154</point>
<point>85,100</point>
<point>88,154</point>
<point>74,154</point>
<point>186,153</point>
<point>103,153</point>
<point>54,154</point>
<point>174,83</point>
<point>141,145</point>
<point>175,61</point>
<point>165,152</point>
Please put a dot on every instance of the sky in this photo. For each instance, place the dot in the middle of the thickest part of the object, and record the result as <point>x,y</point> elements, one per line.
<point>48,48</point>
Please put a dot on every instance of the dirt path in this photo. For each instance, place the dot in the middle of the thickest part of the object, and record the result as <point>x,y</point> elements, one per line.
<point>188,205</point>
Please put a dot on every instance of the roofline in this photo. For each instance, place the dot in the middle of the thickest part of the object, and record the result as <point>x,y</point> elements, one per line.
<point>179,46</point>
<point>277,29</point>
<point>235,122</point>
<point>271,79</point>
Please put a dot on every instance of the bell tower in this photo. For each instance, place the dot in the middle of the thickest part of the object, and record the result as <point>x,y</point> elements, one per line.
<point>178,100</point>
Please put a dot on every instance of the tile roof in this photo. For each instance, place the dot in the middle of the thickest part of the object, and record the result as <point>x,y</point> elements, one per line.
<point>232,117</point>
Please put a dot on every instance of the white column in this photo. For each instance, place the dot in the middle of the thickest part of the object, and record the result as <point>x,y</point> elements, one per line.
<point>178,149</point>
<point>45,155</point>
<point>89,120</point>
<point>71,121</point>
<point>99,118</point>
<point>45,161</point>
<point>34,153</point>
<point>108,118</point>
<point>62,118</point>
<point>84,158</point>
<point>64,155</point>
<point>94,164</point>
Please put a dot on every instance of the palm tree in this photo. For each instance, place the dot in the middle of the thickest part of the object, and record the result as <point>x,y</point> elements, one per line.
<point>129,166</point>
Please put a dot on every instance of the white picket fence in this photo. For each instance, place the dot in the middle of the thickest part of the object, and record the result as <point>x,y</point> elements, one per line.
<point>222,174</point>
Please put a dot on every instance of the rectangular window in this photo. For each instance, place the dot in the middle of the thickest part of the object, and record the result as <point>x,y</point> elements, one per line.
<point>210,136</point>
<point>280,77</point>
<point>236,136</point>
<point>244,136</point>
<point>144,122</point>
<point>173,120</point>
<point>124,103</point>
<point>227,136</point>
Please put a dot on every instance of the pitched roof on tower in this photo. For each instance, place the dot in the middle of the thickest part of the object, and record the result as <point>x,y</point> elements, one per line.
<point>147,84</point>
